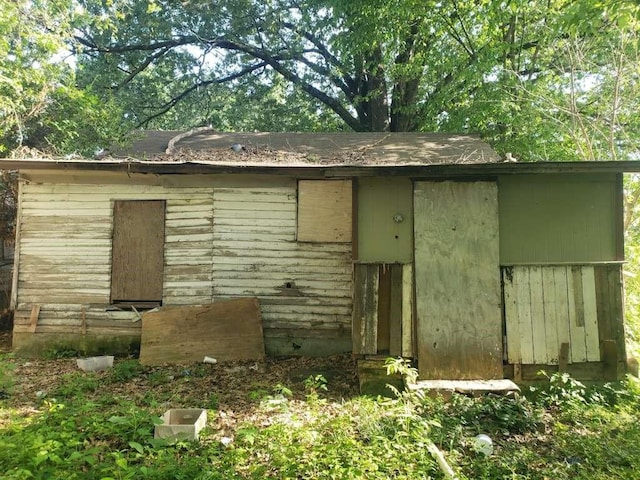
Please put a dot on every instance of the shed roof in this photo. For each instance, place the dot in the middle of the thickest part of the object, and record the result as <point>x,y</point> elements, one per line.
<point>309,149</point>
<point>203,150</point>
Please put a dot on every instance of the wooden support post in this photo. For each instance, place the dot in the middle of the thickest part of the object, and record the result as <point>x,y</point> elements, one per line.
<point>563,357</point>
<point>395,312</point>
<point>517,372</point>
<point>610,359</point>
<point>407,310</point>
<point>35,313</point>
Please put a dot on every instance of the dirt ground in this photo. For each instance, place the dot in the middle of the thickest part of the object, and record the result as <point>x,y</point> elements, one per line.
<point>233,389</point>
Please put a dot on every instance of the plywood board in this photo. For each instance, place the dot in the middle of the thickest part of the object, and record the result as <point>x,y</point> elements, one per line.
<point>385,219</point>
<point>138,250</point>
<point>324,210</point>
<point>459,324</point>
<point>226,330</point>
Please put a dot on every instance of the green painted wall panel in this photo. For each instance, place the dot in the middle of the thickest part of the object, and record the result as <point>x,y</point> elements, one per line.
<point>380,237</point>
<point>558,218</point>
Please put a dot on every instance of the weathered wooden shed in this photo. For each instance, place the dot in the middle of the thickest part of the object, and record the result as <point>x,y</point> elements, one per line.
<point>427,246</point>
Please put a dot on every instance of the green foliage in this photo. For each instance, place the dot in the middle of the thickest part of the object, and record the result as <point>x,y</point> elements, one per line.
<point>315,383</point>
<point>568,431</point>
<point>543,80</point>
<point>126,370</point>
<point>61,352</point>
<point>6,375</point>
<point>40,105</point>
<point>77,384</point>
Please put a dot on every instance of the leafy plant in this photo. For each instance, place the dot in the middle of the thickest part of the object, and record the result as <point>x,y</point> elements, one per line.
<point>76,384</point>
<point>126,370</point>
<point>6,376</point>
<point>315,383</point>
<point>283,390</point>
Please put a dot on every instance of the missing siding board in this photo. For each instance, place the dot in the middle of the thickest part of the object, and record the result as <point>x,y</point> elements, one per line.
<point>325,211</point>
<point>138,251</point>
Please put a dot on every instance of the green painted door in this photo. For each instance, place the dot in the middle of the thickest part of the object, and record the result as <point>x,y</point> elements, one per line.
<point>457,275</point>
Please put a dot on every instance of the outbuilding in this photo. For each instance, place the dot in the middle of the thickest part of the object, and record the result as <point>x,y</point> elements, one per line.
<point>426,246</point>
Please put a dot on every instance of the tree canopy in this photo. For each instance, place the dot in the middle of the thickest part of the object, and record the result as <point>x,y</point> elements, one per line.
<point>544,80</point>
<point>41,106</point>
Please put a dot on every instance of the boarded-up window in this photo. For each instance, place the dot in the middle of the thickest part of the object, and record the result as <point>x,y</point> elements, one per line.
<point>324,210</point>
<point>138,252</point>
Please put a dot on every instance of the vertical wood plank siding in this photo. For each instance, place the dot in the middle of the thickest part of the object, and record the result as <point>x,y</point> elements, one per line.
<point>383,307</point>
<point>219,243</point>
<point>546,306</point>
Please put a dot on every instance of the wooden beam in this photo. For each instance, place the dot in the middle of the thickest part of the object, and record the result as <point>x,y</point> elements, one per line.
<point>365,309</point>
<point>13,302</point>
<point>384,308</point>
<point>407,311</point>
<point>563,357</point>
<point>33,323</point>
<point>395,311</point>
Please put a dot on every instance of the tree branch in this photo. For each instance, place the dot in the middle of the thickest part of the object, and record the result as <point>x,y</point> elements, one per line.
<point>175,100</point>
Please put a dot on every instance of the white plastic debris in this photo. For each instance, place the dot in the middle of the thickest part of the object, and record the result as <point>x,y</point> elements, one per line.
<point>483,444</point>
<point>93,364</point>
<point>209,360</point>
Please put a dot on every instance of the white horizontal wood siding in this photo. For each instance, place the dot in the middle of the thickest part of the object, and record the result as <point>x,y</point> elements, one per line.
<point>219,243</point>
<point>300,285</point>
<point>65,253</point>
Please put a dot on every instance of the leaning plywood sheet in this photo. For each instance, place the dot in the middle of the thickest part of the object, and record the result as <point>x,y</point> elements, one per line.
<point>227,330</point>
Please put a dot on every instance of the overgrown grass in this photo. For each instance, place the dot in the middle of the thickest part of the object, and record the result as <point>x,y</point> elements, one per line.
<point>82,430</point>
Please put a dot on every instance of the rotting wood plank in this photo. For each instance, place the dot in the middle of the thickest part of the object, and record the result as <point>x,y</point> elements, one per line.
<point>562,311</point>
<point>474,387</point>
<point>603,306</point>
<point>610,360</point>
<point>592,341</point>
<point>577,341</point>
<point>407,311</point>
<point>395,311</point>
<point>384,308</point>
<point>617,308</point>
<point>549,289</point>
<point>512,319</point>
<point>226,330</point>
<point>525,326</point>
<point>537,316</point>
<point>33,321</point>
<point>563,357</point>
<point>365,309</point>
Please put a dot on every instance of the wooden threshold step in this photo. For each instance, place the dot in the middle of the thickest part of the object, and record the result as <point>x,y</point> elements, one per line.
<point>472,387</point>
